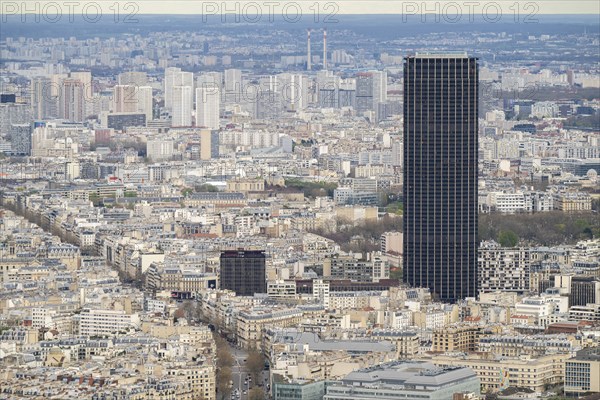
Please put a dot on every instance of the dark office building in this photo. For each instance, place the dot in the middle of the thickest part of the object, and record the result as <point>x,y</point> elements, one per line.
<point>8,98</point>
<point>328,97</point>
<point>529,128</point>
<point>20,138</point>
<point>440,174</point>
<point>243,271</point>
<point>120,121</point>
<point>584,290</point>
<point>346,98</point>
<point>364,92</point>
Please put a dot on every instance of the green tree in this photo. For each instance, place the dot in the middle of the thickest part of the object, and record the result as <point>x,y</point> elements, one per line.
<point>93,197</point>
<point>255,362</point>
<point>224,363</point>
<point>224,357</point>
<point>223,382</point>
<point>545,228</point>
<point>256,394</point>
<point>206,187</point>
<point>508,239</point>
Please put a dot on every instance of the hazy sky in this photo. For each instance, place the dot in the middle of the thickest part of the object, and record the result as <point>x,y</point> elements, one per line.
<point>325,7</point>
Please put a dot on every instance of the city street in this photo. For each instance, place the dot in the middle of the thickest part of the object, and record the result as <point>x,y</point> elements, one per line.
<point>239,374</point>
<point>238,371</point>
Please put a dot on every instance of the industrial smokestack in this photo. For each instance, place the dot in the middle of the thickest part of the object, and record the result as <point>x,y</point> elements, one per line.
<point>325,49</point>
<point>308,55</point>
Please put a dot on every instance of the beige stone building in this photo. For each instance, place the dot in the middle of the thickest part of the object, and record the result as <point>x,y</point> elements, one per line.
<point>179,279</point>
<point>246,185</point>
<point>582,372</point>
<point>499,373</point>
<point>250,323</point>
<point>573,202</point>
<point>463,337</point>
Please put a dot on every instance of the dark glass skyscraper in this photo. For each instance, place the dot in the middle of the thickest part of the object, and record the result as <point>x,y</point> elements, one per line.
<point>243,271</point>
<point>440,173</point>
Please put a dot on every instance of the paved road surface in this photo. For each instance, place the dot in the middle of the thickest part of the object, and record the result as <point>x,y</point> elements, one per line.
<point>239,373</point>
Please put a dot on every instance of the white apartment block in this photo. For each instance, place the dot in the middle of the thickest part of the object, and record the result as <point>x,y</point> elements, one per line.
<point>538,308</point>
<point>42,317</point>
<point>400,319</point>
<point>281,288</point>
<point>208,103</point>
<point>182,106</point>
<point>321,291</point>
<point>159,150</point>
<point>515,202</point>
<point>106,322</point>
<point>503,269</point>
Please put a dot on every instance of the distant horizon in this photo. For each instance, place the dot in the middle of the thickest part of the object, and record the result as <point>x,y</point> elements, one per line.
<point>278,16</point>
<point>383,26</point>
<point>245,19</point>
<point>131,17</point>
<point>321,8</point>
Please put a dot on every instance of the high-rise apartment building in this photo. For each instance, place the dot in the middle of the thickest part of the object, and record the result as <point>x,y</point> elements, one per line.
<point>175,77</point>
<point>85,77</point>
<point>208,102</point>
<point>182,106</point>
<point>43,104</point>
<point>133,99</point>
<point>440,173</point>
<point>125,99</point>
<point>71,102</point>
<point>233,80</point>
<point>294,90</point>
<point>168,85</point>
<point>134,78</point>
<point>144,101</point>
<point>210,79</point>
<point>209,144</point>
<point>243,271</point>
<point>371,90</point>
<point>233,91</point>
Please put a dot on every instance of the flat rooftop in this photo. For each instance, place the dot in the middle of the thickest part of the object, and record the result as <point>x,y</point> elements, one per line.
<point>441,54</point>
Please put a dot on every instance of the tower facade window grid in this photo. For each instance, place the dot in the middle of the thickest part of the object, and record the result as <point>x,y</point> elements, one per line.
<point>440,175</point>
<point>243,271</point>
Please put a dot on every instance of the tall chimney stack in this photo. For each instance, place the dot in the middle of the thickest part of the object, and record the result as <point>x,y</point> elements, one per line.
<point>325,49</point>
<point>308,55</point>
